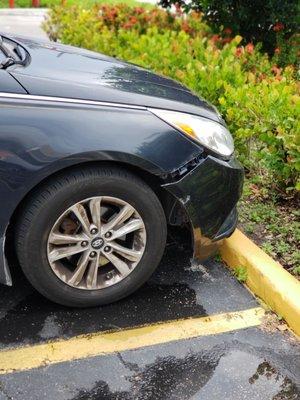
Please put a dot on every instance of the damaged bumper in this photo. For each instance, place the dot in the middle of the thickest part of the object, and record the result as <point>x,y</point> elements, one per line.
<point>209,193</point>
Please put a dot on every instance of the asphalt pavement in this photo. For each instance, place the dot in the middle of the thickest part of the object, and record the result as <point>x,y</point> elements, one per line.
<point>251,363</point>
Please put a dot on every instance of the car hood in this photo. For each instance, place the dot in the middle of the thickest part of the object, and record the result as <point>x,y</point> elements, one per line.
<point>65,71</point>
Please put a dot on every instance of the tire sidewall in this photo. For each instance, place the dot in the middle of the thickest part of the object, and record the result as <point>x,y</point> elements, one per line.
<point>34,248</point>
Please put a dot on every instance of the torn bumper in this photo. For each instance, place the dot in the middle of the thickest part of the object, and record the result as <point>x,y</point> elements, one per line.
<point>209,193</point>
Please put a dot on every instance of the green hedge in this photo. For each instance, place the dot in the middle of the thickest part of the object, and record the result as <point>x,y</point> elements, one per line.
<point>259,101</point>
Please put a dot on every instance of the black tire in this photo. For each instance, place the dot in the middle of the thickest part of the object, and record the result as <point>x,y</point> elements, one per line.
<point>49,202</point>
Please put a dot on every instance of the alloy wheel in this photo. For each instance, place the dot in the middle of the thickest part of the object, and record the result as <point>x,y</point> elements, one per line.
<point>96,243</point>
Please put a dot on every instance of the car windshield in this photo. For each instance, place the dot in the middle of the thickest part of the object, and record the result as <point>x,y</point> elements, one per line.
<point>12,53</point>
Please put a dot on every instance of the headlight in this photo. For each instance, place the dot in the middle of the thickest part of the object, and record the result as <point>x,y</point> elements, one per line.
<point>210,134</point>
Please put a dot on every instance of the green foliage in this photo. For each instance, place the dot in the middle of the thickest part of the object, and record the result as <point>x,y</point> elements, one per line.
<point>271,22</point>
<point>241,274</point>
<point>218,258</point>
<point>259,101</point>
<point>121,17</point>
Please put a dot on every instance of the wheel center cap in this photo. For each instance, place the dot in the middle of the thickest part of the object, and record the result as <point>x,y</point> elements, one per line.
<point>97,243</point>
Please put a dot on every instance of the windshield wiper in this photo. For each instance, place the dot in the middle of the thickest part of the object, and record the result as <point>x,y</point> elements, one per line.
<point>10,52</point>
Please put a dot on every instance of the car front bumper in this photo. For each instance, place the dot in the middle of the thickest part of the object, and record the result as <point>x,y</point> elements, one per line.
<point>209,194</point>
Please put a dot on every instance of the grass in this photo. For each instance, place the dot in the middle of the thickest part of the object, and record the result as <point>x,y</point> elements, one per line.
<point>50,3</point>
<point>241,274</point>
<point>272,222</point>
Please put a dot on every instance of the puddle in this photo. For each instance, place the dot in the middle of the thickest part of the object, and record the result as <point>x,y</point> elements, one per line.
<point>234,374</point>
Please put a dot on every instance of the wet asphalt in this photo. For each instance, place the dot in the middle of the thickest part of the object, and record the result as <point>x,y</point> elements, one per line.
<point>252,363</point>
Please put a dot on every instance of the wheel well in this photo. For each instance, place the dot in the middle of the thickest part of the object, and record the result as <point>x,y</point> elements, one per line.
<point>151,180</point>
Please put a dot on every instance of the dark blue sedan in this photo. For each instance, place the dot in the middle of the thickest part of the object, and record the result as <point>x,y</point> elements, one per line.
<point>98,159</point>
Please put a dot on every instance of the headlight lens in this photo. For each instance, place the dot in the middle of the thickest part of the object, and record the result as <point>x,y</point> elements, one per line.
<point>210,134</point>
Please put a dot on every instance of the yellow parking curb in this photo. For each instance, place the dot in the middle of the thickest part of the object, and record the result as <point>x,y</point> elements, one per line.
<point>265,277</point>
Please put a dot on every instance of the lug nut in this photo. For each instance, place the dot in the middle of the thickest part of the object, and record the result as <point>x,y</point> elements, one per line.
<point>93,254</point>
<point>84,243</point>
<point>106,249</point>
<point>108,235</point>
<point>94,231</point>
<point>109,275</point>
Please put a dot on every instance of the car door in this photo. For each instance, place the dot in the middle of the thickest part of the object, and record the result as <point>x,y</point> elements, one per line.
<point>8,84</point>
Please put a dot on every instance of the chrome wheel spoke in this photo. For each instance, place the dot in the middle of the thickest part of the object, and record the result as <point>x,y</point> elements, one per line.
<point>80,270</point>
<point>132,255</point>
<point>95,209</point>
<point>92,274</point>
<point>60,238</point>
<point>125,213</point>
<point>62,252</point>
<point>82,217</point>
<point>120,265</point>
<point>131,226</point>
